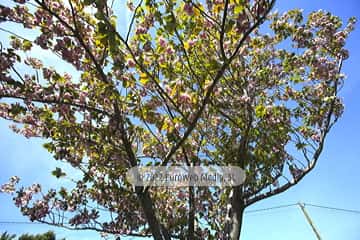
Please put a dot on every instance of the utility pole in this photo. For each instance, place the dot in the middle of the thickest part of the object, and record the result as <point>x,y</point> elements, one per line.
<point>307,216</point>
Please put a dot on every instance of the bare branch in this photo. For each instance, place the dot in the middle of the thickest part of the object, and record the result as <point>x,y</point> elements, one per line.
<point>132,21</point>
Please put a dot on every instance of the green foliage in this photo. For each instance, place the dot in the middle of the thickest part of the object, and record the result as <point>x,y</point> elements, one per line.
<point>58,173</point>
<point>43,236</point>
<point>7,236</point>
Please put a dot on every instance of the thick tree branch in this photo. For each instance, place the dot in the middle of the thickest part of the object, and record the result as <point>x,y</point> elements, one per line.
<point>158,231</point>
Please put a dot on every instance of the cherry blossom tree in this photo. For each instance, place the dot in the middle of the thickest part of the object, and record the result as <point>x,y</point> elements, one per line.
<point>215,82</point>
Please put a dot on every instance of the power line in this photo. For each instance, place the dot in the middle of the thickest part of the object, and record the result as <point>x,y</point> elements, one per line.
<point>308,204</point>
<point>270,208</point>
<point>334,208</point>
<point>247,211</point>
<point>18,222</point>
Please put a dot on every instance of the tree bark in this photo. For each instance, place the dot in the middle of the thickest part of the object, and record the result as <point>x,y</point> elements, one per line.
<point>191,220</point>
<point>159,232</point>
<point>235,214</point>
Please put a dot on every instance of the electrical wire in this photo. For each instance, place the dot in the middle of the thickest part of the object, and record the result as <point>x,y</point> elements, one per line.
<point>270,208</point>
<point>247,211</point>
<point>333,208</point>
<point>17,222</point>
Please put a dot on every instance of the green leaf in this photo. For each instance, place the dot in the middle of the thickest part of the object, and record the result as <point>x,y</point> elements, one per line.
<point>170,25</point>
<point>27,45</point>
<point>48,146</point>
<point>17,109</point>
<point>89,2</point>
<point>99,15</point>
<point>300,145</point>
<point>296,78</point>
<point>260,111</point>
<point>238,9</point>
<point>144,78</point>
<point>58,173</point>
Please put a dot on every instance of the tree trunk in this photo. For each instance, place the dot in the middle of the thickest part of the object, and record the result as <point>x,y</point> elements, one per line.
<point>191,220</point>
<point>159,232</point>
<point>235,214</point>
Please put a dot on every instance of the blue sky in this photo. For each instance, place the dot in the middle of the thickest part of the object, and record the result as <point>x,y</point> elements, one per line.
<point>334,182</point>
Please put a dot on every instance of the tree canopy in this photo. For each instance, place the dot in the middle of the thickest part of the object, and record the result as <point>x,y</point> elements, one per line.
<point>44,236</point>
<point>216,82</point>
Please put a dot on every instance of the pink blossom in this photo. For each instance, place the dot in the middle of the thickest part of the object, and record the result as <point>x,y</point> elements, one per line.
<point>245,98</point>
<point>40,210</point>
<point>203,35</point>
<point>130,6</point>
<point>5,63</point>
<point>24,196</point>
<point>10,186</point>
<point>161,60</point>
<point>107,101</point>
<point>35,63</point>
<point>82,218</point>
<point>59,29</point>
<point>168,89</point>
<point>188,9</point>
<point>28,132</point>
<point>218,91</point>
<point>42,41</point>
<point>29,119</point>
<point>208,23</point>
<point>289,91</point>
<point>55,6</point>
<point>67,77</point>
<point>48,73</point>
<point>143,92</point>
<point>316,137</point>
<point>275,149</point>
<point>227,45</point>
<point>192,42</point>
<point>125,78</point>
<point>181,195</point>
<point>82,97</point>
<point>170,50</point>
<point>14,179</point>
<point>162,42</point>
<point>67,96</point>
<point>35,188</point>
<point>141,30</point>
<point>130,63</point>
<point>185,98</point>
